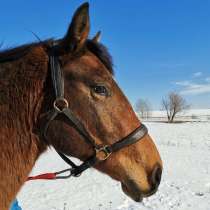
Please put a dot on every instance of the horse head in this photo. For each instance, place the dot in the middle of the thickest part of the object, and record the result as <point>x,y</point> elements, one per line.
<point>100,105</point>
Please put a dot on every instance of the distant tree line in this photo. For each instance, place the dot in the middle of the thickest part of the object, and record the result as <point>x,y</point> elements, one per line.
<point>172,104</point>
<point>143,108</point>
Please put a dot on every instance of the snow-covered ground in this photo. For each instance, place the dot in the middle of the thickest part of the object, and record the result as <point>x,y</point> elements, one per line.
<point>186,115</point>
<point>185,150</point>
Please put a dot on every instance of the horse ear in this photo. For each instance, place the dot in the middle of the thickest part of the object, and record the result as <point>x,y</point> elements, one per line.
<point>97,37</point>
<point>78,30</point>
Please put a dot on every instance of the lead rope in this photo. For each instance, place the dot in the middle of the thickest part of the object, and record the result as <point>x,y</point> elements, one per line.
<point>52,176</point>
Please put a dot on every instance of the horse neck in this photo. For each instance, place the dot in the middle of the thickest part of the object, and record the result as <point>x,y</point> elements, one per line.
<point>24,82</point>
<point>21,97</point>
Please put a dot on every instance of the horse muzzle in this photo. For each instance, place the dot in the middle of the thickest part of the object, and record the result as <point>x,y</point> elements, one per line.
<point>134,191</point>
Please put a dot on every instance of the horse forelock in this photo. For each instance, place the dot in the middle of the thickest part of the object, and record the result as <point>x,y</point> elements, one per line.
<point>102,53</point>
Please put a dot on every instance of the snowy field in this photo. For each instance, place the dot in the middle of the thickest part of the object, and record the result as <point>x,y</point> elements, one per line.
<point>185,150</point>
<point>189,115</point>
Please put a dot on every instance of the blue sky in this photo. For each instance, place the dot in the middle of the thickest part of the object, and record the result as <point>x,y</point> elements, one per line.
<point>157,46</point>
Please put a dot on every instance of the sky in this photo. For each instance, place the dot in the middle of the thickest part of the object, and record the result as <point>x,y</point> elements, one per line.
<point>157,46</point>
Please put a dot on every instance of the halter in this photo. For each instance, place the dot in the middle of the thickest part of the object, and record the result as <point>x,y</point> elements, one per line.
<point>61,107</point>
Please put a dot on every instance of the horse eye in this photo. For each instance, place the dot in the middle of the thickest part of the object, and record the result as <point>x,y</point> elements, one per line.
<point>101,90</point>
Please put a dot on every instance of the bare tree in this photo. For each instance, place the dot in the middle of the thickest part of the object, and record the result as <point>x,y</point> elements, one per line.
<point>143,107</point>
<point>173,104</point>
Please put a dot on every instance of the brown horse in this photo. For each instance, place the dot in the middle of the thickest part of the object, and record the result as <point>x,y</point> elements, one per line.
<point>26,94</point>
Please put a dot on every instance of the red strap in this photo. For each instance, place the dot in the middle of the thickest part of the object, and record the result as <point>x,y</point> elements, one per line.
<point>42,176</point>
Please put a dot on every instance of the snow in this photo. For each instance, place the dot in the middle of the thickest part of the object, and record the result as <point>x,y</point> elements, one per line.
<point>185,150</point>
<point>188,112</point>
<point>189,115</point>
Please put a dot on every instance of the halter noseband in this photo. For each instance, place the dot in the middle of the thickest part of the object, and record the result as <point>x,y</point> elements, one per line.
<point>101,152</point>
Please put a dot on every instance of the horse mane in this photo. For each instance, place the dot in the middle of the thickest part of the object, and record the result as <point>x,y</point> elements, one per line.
<point>98,49</point>
<point>12,54</point>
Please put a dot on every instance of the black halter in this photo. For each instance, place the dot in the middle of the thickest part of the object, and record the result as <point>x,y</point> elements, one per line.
<point>101,153</point>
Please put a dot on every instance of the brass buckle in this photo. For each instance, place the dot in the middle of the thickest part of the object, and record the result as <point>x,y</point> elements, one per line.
<point>63,104</point>
<point>102,153</point>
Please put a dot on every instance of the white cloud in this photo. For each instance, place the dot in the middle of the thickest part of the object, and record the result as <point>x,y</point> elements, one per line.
<point>207,79</point>
<point>196,89</point>
<point>197,74</point>
<point>192,88</point>
<point>183,83</point>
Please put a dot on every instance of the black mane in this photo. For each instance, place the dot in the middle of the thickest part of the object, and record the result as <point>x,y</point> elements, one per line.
<point>96,48</point>
<point>12,54</point>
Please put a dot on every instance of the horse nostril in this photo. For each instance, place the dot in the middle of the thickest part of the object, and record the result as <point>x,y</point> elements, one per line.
<point>156,176</point>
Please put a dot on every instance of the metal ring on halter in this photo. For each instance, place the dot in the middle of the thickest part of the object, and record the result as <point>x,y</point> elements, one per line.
<point>64,105</point>
<point>103,153</point>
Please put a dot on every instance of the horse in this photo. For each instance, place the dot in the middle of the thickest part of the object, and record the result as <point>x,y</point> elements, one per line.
<point>98,108</point>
